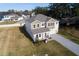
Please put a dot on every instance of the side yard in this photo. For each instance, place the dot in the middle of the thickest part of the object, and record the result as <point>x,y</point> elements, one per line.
<point>70,33</point>
<point>15,41</point>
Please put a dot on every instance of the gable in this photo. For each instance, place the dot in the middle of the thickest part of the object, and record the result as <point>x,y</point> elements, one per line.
<point>36,21</point>
<point>51,20</point>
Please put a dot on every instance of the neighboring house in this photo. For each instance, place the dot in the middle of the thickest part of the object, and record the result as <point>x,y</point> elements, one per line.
<point>26,16</point>
<point>65,21</point>
<point>75,20</point>
<point>41,27</point>
<point>12,17</point>
<point>70,21</point>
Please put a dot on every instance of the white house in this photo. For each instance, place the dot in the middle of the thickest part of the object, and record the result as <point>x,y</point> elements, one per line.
<point>12,17</point>
<point>41,27</point>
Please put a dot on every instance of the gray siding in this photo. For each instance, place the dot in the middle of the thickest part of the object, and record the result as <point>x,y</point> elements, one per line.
<point>42,35</point>
<point>36,24</point>
<point>28,29</point>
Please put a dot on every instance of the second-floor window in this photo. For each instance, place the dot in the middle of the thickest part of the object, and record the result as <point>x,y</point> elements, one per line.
<point>49,24</point>
<point>33,26</point>
<point>52,24</point>
<point>43,24</point>
<point>37,25</point>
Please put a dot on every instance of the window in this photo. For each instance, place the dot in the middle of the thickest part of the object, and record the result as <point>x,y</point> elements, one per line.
<point>37,25</point>
<point>48,24</point>
<point>52,24</point>
<point>56,22</point>
<point>33,26</point>
<point>43,24</point>
<point>45,34</point>
<point>39,35</point>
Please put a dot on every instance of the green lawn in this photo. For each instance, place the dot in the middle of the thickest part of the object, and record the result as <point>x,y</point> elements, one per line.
<point>70,33</point>
<point>7,22</point>
<point>18,43</point>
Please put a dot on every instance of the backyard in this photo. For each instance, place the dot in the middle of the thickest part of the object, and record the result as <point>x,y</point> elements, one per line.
<point>71,33</point>
<point>16,42</point>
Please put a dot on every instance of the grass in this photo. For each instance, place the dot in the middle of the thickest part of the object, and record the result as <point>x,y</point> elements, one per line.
<point>52,48</point>
<point>7,22</point>
<point>19,44</point>
<point>70,33</point>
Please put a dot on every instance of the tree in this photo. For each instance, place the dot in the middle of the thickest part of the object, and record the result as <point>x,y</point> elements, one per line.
<point>40,10</point>
<point>76,8</point>
<point>11,11</point>
<point>59,10</point>
<point>25,12</point>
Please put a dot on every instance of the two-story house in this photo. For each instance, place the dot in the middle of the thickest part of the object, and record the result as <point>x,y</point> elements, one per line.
<point>41,27</point>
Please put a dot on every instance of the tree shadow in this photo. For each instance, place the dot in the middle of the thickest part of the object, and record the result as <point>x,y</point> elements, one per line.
<point>23,30</point>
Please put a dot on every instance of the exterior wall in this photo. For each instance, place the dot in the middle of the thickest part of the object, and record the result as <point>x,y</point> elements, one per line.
<point>42,23</point>
<point>50,21</point>
<point>51,26</point>
<point>28,29</point>
<point>27,17</point>
<point>54,28</point>
<point>57,26</point>
<point>8,17</point>
<point>35,23</point>
<point>20,18</point>
<point>42,36</point>
<point>5,18</point>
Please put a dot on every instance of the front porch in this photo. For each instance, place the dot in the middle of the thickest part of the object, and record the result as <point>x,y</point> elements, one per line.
<point>42,36</point>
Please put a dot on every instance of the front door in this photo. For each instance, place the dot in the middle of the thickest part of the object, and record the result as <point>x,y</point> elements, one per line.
<point>46,36</point>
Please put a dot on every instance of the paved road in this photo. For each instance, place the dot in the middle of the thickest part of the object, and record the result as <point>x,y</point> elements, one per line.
<point>11,25</point>
<point>67,43</point>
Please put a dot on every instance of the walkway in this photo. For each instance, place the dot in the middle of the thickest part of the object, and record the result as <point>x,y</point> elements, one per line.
<point>67,43</point>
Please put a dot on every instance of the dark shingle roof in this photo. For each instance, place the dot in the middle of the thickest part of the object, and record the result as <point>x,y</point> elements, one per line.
<point>39,30</point>
<point>75,18</point>
<point>39,17</point>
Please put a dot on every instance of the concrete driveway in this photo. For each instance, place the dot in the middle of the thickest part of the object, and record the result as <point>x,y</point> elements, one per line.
<point>66,43</point>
